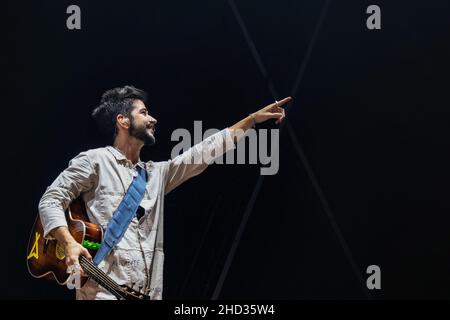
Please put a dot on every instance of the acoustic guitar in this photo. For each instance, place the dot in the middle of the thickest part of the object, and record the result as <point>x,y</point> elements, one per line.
<point>45,258</point>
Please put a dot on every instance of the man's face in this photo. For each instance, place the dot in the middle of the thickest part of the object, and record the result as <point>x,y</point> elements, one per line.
<point>142,125</point>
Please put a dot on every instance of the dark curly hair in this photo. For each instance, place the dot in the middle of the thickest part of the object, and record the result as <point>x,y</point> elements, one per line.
<point>116,101</point>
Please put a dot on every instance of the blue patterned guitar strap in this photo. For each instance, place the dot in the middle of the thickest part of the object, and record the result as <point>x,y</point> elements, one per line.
<point>123,215</point>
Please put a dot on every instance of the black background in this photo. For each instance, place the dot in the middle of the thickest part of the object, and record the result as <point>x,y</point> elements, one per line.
<point>371,115</point>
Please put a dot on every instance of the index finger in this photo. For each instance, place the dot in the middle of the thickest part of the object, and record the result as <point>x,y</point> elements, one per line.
<point>284,101</point>
<point>86,253</point>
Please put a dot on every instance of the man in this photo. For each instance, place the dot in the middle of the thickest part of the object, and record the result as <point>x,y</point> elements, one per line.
<point>102,176</point>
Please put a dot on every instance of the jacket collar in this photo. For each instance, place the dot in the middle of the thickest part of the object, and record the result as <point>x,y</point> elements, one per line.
<point>120,157</point>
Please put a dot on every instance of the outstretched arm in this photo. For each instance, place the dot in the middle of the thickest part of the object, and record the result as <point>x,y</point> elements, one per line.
<point>271,111</point>
<point>184,166</point>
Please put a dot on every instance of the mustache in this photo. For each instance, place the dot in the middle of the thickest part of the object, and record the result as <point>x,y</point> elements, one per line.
<point>151,126</point>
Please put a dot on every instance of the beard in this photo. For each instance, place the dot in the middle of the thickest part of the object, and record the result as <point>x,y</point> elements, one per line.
<point>142,133</point>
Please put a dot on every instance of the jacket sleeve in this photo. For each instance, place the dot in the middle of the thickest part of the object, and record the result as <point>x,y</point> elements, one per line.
<point>78,177</point>
<point>197,158</point>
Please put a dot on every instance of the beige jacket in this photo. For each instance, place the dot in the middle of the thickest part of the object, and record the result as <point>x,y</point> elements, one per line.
<point>102,177</point>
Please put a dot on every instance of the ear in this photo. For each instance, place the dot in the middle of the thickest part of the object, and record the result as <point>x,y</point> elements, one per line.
<point>123,121</point>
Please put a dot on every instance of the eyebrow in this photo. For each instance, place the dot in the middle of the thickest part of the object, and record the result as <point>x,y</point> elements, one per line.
<point>143,109</point>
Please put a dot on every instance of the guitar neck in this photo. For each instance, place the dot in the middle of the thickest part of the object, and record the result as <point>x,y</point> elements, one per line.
<point>101,278</point>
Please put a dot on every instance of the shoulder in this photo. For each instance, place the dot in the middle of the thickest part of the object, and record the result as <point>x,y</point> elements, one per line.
<point>97,152</point>
<point>94,156</point>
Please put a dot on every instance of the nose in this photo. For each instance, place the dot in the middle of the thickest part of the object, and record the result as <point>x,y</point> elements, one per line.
<point>153,120</point>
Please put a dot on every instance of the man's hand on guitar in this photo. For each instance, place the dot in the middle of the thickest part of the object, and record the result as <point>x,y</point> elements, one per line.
<point>72,249</point>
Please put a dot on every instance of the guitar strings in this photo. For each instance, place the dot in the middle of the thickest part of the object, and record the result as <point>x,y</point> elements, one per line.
<point>101,276</point>
<point>98,272</point>
<point>102,280</point>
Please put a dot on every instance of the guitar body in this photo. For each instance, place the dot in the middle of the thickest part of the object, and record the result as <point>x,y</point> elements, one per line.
<point>46,258</point>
